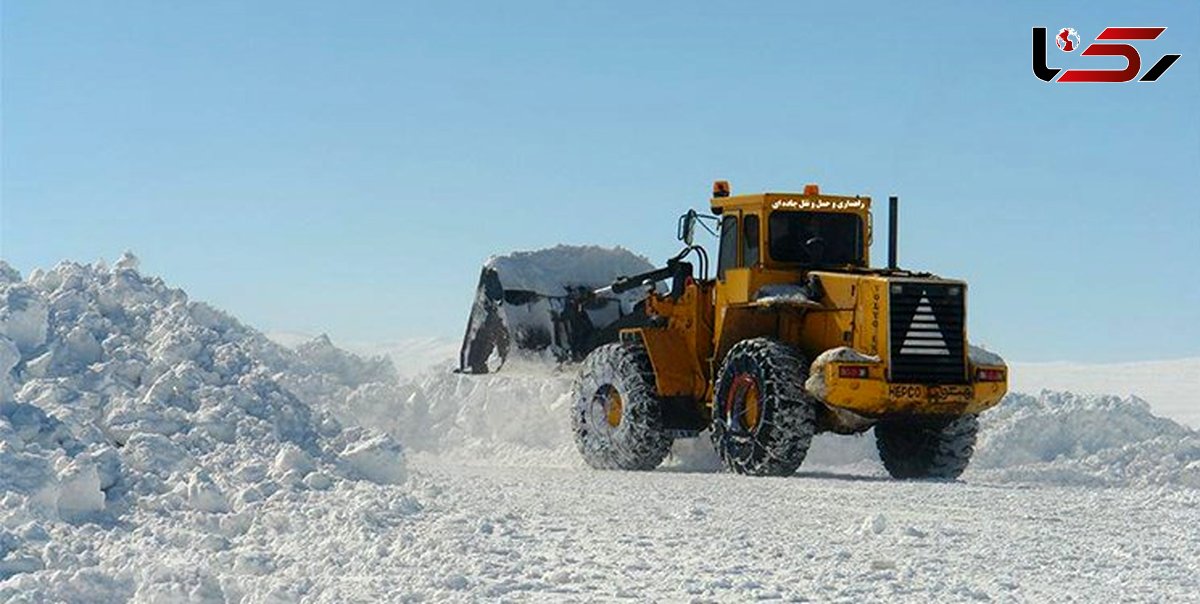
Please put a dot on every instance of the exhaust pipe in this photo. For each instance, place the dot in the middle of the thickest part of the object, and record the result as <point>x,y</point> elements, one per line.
<point>893,214</point>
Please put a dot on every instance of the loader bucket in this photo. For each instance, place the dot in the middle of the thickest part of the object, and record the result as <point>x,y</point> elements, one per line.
<point>543,304</point>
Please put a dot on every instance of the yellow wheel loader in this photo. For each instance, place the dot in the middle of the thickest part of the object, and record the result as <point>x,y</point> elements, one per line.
<point>794,335</point>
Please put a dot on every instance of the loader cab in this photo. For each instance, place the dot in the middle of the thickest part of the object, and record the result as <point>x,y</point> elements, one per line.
<point>769,242</point>
<point>792,232</point>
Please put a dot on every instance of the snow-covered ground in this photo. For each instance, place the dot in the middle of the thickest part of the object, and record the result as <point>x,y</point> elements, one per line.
<point>153,448</point>
<point>562,534</point>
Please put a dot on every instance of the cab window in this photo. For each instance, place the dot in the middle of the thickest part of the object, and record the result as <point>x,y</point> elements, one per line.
<point>727,257</point>
<point>749,240</point>
<point>815,238</point>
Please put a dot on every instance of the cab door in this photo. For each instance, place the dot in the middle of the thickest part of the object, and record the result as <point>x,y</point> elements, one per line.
<point>738,255</point>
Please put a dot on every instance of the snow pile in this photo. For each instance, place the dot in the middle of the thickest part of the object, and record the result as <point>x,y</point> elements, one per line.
<point>524,300</point>
<point>349,387</point>
<point>551,271</point>
<point>1171,387</point>
<point>1066,438</point>
<point>518,416</point>
<point>129,413</point>
<point>982,357</point>
<point>555,272</point>
<point>784,292</point>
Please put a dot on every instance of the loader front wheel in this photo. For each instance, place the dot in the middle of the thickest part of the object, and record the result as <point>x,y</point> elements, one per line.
<point>939,449</point>
<point>616,418</point>
<point>763,419</point>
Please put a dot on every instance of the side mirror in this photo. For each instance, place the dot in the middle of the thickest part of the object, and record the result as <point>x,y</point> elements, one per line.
<point>686,231</point>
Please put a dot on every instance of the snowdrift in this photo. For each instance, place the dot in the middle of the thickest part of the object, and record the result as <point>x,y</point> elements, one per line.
<point>1171,387</point>
<point>124,404</point>
<point>1066,438</point>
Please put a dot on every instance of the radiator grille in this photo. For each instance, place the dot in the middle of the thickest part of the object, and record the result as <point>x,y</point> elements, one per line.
<point>927,332</point>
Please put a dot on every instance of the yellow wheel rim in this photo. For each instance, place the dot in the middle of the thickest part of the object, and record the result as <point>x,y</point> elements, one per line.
<point>613,408</point>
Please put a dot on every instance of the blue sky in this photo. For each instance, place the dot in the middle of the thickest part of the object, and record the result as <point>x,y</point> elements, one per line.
<point>345,167</point>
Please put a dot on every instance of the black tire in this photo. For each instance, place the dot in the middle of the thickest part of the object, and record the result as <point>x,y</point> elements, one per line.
<point>774,440</point>
<point>636,439</point>
<point>915,448</point>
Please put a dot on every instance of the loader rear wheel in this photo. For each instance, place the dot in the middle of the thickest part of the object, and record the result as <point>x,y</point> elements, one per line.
<point>926,449</point>
<point>763,420</point>
<point>616,418</point>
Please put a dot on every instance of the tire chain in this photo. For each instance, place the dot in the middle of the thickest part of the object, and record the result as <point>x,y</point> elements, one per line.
<point>792,421</point>
<point>638,442</point>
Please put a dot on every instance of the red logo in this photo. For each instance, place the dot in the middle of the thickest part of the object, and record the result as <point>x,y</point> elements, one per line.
<point>1068,39</point>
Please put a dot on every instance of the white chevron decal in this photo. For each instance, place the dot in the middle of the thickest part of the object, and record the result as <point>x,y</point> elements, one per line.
<point>924,324</point>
